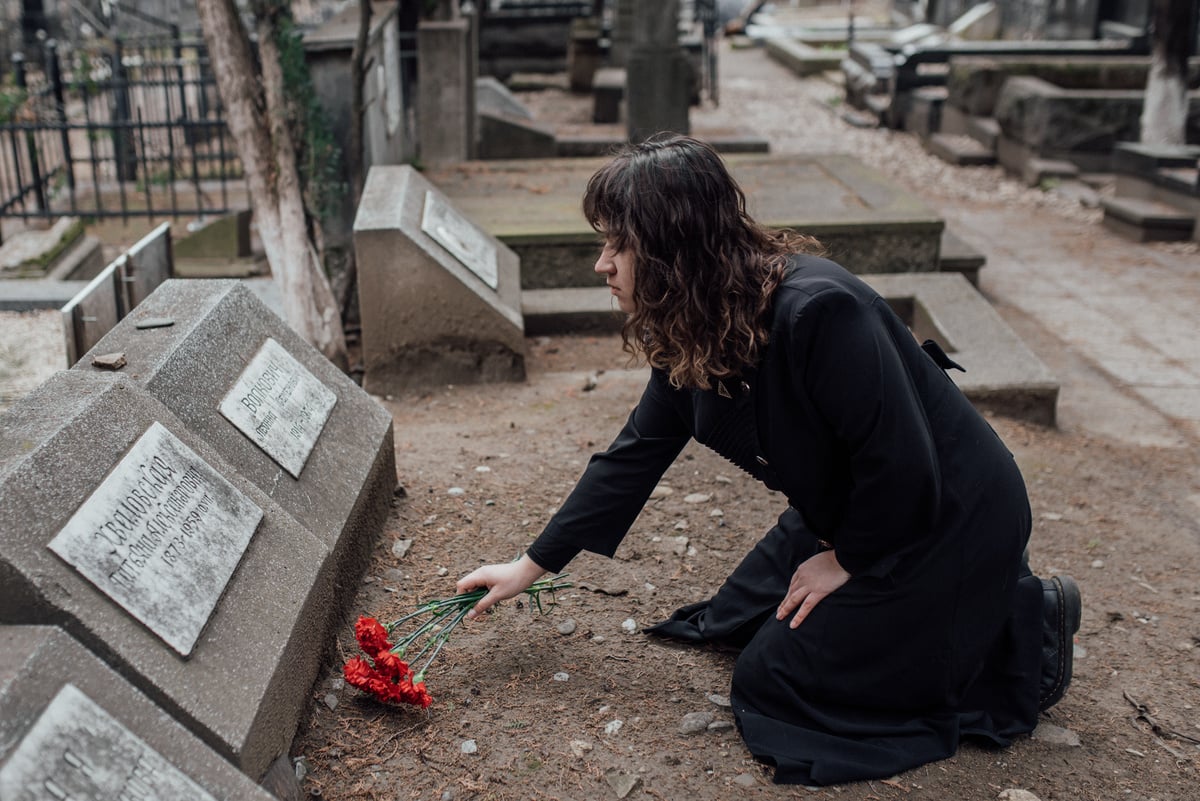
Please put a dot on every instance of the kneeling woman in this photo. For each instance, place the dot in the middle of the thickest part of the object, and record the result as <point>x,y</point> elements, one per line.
<point>890,612</point>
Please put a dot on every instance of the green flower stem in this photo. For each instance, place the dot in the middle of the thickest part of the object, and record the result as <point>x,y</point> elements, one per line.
<point>456,607</point>
<point>422,629</point>
<point>441,638</point>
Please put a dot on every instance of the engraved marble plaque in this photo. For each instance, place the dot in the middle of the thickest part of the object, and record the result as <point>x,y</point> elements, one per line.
<point>458,235</point>
<point>78,751</point>
<point>161,536</point>
<point>279,405</point>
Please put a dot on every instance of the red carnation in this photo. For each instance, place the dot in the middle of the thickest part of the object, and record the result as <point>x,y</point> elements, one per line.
<point>371,636</point>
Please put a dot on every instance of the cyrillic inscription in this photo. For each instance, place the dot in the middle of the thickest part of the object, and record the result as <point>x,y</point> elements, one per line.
<point>280,406</point>
<point>458,235</point>
<point>78,751</point>
<point>161,536</point>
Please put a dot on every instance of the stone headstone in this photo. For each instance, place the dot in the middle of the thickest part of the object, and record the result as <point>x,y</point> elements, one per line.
<point>278,411</point>
<point>439,297</point>
<point>146,265</point>
<point>446,94</point>
<point>659,86</point>
<point>134,534</point>
<point>92,312</point>
<point>115,290</point>
<point>70,727</point>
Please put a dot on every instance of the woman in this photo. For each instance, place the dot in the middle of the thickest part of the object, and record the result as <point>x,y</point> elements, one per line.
<point>890,612</point>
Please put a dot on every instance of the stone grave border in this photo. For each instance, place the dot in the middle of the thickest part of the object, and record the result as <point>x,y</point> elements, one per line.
<point>1003,376</point>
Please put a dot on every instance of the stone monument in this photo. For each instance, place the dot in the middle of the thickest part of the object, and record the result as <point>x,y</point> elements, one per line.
<point>278,411</point>
<point>133,534</point>
<point>71,727</point>
<point>658,84</point>
<point>440,299</point>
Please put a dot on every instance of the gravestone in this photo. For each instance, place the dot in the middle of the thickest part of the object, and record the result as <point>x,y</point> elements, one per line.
<point>277,410</point>
<point>446,92</point>
<point>658,88</point>
<point>70,727</point>
<point>439,297</point>
<point>137,538</point>
<point>118,288</point>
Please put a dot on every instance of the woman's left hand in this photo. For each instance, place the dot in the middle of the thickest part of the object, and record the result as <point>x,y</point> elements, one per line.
<point>814,579</point>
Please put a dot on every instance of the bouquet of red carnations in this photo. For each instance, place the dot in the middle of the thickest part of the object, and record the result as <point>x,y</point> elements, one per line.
<point>386,675</point>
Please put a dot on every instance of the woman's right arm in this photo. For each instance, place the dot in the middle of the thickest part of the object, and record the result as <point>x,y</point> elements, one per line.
<point>605,501</point>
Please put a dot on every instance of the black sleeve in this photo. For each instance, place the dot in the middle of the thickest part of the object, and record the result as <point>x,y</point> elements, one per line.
<point>616,483</point>
<point>845,360</point>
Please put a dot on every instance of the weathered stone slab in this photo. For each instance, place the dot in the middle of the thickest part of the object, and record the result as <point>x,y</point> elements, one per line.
<point>1002,374</point>
<point>92,312</point>
<point>1079,125</point>
<point>163,525</point>
<point>244,682</point>
<point>974,81</point>
<point>439,295</point>
<point>804,59</point>
<point>278,411</point>
<point>868,224</point>
<point>115,290</point>
<point>70,727</point>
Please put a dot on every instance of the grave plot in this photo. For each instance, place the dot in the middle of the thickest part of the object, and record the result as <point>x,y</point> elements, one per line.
<point>283,416</point>
<point>71,727</point>
<point>133,534</point>
<point>439,296</point>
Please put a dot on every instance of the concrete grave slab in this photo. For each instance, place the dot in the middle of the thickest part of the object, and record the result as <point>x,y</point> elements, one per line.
<point>869,224</point>
<point>1003,375</point>
<point>134,493</point>
<point>439,296</point>
<point>89,315</point>
<point>278,411</point>
<point>72,727</point>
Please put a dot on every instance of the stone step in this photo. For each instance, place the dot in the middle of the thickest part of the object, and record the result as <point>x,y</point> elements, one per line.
<point>963,151</point>
<point>1003,374</point>
<point>956,256</point>
<point>984,130</point>
<point>1147,220</point>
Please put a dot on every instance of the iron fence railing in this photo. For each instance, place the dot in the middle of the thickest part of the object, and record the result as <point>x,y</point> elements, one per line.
<point>121,129</point>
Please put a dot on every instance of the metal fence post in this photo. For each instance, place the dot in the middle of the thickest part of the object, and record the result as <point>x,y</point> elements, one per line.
<point>35,169</point>
<point>54,73</point>
<point>122,131</point>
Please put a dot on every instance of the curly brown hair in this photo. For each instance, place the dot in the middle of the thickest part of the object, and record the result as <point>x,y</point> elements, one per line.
<point>704,270</point>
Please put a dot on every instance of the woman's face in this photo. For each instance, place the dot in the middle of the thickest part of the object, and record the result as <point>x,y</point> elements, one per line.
<point>617,269</point>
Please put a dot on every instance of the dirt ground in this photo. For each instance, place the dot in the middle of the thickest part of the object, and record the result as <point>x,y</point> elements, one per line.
<point>1115,517</point>
<point>1121,518</point>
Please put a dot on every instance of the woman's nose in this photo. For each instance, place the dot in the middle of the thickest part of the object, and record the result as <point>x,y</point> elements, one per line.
<point>603,263</point>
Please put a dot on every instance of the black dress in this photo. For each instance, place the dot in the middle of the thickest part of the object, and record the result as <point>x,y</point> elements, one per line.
<point>937,634</point>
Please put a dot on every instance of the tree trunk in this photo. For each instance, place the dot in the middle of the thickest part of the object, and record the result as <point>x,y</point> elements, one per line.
<point>1165,108</point>
<point>257,121</point>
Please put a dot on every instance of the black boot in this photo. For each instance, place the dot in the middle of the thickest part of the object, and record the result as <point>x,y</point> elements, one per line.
<point>1062,609</point>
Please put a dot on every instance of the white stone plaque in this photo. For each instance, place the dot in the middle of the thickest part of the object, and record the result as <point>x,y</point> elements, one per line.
<point>459,235</point>
<point>280,406</point>
<point>78,751</point>
<point>161,536</point>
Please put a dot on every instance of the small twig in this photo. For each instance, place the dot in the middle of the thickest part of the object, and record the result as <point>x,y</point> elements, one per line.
<point>1143,714</point>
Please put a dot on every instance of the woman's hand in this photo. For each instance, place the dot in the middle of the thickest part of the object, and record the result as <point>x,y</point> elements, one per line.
<point>815,578</point>
<point>501,581</point>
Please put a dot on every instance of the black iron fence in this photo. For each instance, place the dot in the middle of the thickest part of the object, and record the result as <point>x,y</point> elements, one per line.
<point>120,129</point>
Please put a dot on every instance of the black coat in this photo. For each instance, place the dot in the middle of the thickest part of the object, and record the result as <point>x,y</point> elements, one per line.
<point>846,415</point>
<point>937,634</point>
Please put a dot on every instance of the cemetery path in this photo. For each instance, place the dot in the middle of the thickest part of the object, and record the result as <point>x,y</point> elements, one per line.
<point>571,706</point>
<point>539,697</point>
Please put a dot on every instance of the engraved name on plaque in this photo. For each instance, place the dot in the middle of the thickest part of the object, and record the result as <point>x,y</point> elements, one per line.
<point>458,235</point>
<point>76,750</point>
<point>161,536</point>
<point>280,406</point>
